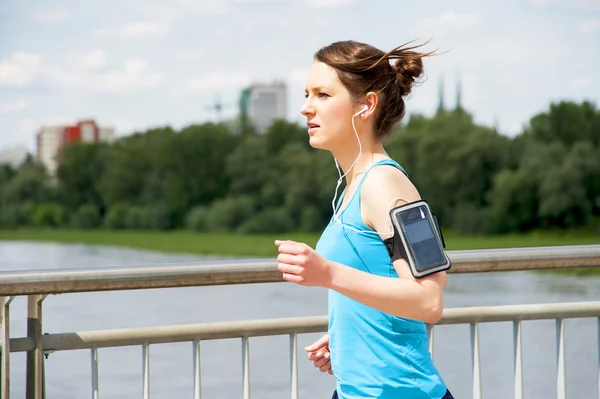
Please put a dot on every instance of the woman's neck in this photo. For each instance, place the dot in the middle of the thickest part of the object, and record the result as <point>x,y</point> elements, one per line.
<point>371,153</point>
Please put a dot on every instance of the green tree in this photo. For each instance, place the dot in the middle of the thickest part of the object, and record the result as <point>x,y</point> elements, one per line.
<point>248,165</point>
<point>194,165</point>
<point>30,184</point>
<point>127,164</point>
<point>80,171</point>
<point>282,133</point>
<point>568,123</point>
<point>514,202</point>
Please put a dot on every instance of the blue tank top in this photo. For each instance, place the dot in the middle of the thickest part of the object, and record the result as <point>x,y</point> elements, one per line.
<point>373,354</point>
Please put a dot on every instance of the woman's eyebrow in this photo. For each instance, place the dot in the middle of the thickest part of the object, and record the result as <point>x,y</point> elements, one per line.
<point>316,88</point>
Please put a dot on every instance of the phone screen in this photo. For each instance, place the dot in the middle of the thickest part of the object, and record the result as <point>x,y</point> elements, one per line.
<point>423,243</point>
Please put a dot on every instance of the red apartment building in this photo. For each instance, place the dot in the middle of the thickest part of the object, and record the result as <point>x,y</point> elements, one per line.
<point>51,138</point>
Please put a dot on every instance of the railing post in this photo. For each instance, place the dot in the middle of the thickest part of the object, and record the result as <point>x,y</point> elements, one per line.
<point>294,365</point>
<point>95,385</point>
<point>35,357</point>
<point>561,378</point>
<point>197,370</point>
<point>146,370</point>
<point>476,360</point>
<point>518,347</point>
<point>246,367</point>
<point>5,346</point>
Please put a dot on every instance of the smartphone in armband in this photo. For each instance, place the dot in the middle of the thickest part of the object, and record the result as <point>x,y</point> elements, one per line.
<point>417,239</point>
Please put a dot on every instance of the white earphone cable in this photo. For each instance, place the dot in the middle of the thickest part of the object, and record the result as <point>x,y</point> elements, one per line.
<point>339,182</point>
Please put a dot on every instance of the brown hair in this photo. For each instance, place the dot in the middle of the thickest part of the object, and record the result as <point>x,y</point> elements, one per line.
<point>363,68</point>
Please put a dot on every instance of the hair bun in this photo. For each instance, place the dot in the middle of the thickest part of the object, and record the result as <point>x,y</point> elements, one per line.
<point>408,67</point>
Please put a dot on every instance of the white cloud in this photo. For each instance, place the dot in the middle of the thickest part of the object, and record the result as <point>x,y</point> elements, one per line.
<point>582,83</point>
<point>134,76</point>
<point>188,56</point>
<point>60,120</point>
<point>138,30</point>
<point>19,133</point>
<point>20,69</point>
<point>51,16</point>
<point>23,69</point>
<point>322,21</point>
<point>328,3</point>
<point>227,6</point>
<point>208,6</point>
<point>219,81</point>
<point>450,22</point>
<point>591,26</point>
<point>540,3</point>
<point>581,5</point>
<point>10,107</point>
<point>448,26</point>
<point>298,76</point>
<point>125,126</point>
<point>168,13</point>
<point>93,59</point>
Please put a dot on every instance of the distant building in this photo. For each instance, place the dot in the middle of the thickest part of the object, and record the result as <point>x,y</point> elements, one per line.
<point>263,103</point>
<point>51,138</point>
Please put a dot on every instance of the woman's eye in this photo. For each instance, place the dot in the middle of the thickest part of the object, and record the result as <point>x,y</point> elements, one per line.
<point>323,95</point>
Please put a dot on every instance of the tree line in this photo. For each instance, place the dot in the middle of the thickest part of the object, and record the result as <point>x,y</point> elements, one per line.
<point>213,178</point>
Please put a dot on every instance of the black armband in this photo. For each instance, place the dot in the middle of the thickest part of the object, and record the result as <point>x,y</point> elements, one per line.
<point>417,239</point>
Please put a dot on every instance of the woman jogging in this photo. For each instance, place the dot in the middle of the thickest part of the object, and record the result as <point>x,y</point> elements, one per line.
<point>377,345</point>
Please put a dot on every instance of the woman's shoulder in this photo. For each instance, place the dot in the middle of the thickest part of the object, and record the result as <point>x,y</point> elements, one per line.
<point>388,176</point>
<point>385,187</point>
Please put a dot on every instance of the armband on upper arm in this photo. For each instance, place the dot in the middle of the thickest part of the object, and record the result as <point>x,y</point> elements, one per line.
<point>417,239</point>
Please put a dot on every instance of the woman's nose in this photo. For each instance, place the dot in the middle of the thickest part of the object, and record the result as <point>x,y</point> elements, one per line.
<point>307,108</point>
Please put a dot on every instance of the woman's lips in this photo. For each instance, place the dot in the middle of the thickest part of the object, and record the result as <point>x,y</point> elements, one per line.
<point>312,127</point>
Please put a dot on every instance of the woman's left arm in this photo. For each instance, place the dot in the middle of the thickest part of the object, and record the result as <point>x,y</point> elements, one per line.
<point>406,296</point>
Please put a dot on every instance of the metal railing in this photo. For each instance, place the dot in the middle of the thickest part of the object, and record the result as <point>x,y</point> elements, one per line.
<point>38,284</point>
<point>265,271</point>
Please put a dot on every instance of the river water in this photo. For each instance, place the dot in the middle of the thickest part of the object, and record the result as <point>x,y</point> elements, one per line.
<point>68,374</point>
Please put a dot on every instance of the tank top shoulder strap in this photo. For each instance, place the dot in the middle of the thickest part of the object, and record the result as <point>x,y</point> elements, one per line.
<point>386,161</point>
<point>353,206</point>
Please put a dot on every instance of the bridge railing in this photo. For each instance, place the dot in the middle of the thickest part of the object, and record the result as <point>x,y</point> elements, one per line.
<point>38,284</point>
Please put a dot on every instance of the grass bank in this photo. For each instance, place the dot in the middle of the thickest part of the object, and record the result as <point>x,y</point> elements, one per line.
<point>168,241</point>
<point>262,245</point>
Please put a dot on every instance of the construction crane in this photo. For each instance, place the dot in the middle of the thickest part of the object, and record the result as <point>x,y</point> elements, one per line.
<point>217,107</point>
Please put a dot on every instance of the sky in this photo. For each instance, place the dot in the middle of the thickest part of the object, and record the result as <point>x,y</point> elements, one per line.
<point>138,64</point>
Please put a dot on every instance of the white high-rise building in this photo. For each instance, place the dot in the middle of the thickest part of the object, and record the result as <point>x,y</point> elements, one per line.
<point>49,141</point>
<point>266,102</point>
<point>106,134</point>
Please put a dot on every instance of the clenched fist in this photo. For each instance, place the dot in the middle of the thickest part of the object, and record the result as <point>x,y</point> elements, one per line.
<point>318,352</point>
<point>301,264</point>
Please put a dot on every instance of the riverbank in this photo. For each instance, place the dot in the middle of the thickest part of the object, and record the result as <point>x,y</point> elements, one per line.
<point>262,245</point>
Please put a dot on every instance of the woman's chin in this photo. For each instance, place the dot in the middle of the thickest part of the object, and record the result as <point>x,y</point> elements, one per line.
<point>315,142</point>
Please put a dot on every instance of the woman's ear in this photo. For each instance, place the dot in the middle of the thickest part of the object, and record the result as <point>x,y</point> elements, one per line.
<point>371,101</point>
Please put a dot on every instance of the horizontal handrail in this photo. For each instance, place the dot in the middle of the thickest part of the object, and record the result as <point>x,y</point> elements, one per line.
<point>298,325</point>
<point>265,271</point>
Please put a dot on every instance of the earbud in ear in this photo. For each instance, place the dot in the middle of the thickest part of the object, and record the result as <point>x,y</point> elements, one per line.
<point>363,109</point>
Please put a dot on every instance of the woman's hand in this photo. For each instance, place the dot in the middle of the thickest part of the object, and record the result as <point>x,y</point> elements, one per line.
<point>301,264</point>
<point>318,352</point>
